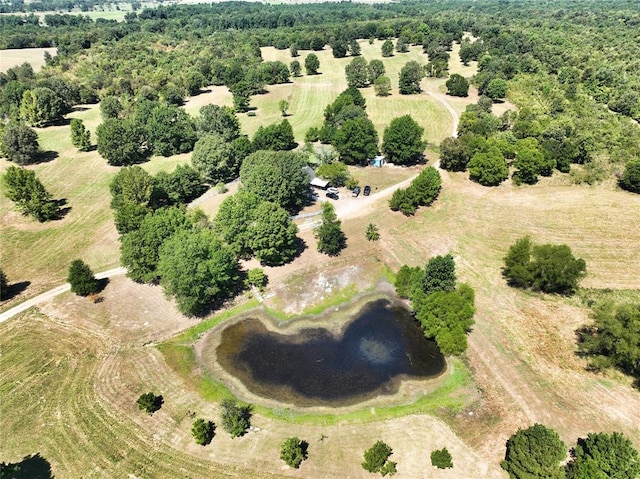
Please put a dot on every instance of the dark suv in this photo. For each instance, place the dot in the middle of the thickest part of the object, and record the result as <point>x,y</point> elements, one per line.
<point>367,190</point>
<point>333,196</point>
<point>356,191</point>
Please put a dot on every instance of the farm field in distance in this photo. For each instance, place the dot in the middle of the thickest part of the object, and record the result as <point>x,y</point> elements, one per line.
<point>72,368</point>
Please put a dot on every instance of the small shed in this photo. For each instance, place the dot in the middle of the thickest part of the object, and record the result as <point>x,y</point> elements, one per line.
<point>319,183</point>
<point>377,162</point>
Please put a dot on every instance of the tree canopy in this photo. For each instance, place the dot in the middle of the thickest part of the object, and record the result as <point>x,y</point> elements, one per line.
<point>535,452</point>
<point>23,187</point>
<point>198,270</point>
<point>331,238</point>
<point>81,278</point>
<point>376,459</point>
<point>122,142</point>
<point>547,268</point>
<point>402,142</point>
<point>457,85</point>
<point>19,143</point>
<point>276,176</point>
<point>218,159</point>
<point>604,456</point>
<point>411,75</point>
<point>293,451</point>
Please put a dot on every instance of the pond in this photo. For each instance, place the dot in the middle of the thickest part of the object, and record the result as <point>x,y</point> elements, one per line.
<point>378,348</point>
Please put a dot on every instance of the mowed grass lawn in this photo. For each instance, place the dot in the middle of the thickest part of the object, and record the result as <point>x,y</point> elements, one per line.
<point>309,95</point>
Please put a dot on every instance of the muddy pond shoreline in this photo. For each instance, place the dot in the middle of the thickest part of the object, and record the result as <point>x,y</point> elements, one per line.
<point>365,353</point>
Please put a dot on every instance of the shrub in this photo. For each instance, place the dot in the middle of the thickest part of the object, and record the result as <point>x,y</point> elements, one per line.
<point>441,458</point>
<point>235,417</point>
<point>376,459</point>
<point>203,431</point>
<point>82,280</point>
<point>293,451</point>
<point>630,179</point>
<point>149,402</point>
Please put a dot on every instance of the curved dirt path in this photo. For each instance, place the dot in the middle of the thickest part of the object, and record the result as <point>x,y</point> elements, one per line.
<point>454,114</point>
<point>10,313</point>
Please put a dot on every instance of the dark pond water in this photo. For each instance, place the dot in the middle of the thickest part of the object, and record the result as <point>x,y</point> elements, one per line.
<point>313,367</point>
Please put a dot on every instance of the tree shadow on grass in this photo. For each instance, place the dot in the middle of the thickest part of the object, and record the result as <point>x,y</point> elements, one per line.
<point>15,289</point>
<point>63,210</point>
<point>46,156</point>
<point>102,284</point>
<point>31,467</point>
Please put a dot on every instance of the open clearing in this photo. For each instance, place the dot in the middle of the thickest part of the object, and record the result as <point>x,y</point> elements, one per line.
<point>15,57</point>
<point>73,369</point>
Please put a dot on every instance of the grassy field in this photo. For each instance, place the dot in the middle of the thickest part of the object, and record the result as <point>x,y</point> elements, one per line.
<point>308,96</point>
<point>73,370</point>
<point>34,56</point>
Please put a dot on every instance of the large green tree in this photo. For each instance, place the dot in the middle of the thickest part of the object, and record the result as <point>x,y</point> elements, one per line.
<point>447,317</point>
<point>276,176</point>
<point>311,64</point>
<point>198,270</point>
<point>488,168</point>
<point>122,142</point>
<point>376,69</point>
<point>20,143</point>
<point>604,456</point>
<point>220,120</point>
<point>535,453</point>
<point>81,279</point>
<point>41,107</point>
<point>25,189</point>
<point>170,130</point>
<point>387,48</point>
<point>273,235</point>
<point>402,141</point>
<point>277,136</point>
<point>411,75</point>
<point>331,238</point>
<point>140,249</point>
<point>496,89</point>
<point>180,186</point>
<point>547,268</point>
<point>80,136</point>
<point>233,221</point>
<point>356,141</point>
<point>218,159</point>
<point>357,73</point>
<point>457,85</point>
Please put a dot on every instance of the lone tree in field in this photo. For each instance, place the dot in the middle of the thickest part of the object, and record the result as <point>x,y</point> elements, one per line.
<point>402,141</point>
<point>387,48</point>
<point>203,431</point>
<point>533,453</point>
<point>80,136</point>
<point>376,459</point>
<point>19,143</point>
<point>149,402</point>
<point>81,278</point>
<point>311,64</point>
<point>23,187</point>
<point>441,458</point>
<point>293,451</point>
<point>457,85</point>
<point>547,268</point>
<point>331,238</point>
<point>411,75</point>
<point>235,418</point>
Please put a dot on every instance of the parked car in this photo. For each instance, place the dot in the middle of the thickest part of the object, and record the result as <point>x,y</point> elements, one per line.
<point>356,192</point>
<point>367,190</point>
<point>332,190</point>
<point>333,196</point>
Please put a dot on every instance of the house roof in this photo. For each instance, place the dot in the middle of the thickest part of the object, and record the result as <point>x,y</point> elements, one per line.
<point>320,183</point>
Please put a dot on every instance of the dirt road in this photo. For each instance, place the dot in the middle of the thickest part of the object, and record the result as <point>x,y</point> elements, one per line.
<point>53,293</point>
